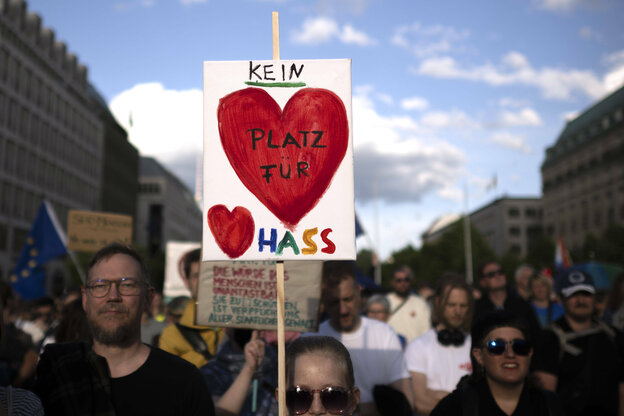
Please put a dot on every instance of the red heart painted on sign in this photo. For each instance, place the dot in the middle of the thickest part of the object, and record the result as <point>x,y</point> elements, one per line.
<point>288,158</point>
<point>233,231</point>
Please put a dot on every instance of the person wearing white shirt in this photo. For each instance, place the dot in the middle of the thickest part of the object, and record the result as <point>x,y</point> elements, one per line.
<point>438,359</point>
<point>374,347</point>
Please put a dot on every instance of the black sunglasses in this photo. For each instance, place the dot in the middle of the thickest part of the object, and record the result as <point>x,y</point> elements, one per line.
<point>335,399</point>
<point>498,346</point>
<point>494,273</point>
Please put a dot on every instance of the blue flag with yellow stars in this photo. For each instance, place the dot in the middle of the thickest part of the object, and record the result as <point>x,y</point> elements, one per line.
<point>45,241</point>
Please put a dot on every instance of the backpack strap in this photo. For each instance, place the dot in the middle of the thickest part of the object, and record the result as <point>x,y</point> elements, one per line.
<point>399,306</point>
<point>193,337</point>
<point>566,337</point>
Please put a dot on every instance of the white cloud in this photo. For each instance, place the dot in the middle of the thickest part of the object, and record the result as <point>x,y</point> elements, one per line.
<point>571,115</point>
<point>454,119</point>
<point>424,41</point>
<point>510,141</point>
<point>558,5</point>
<point>566,5</point>
<point>588,33</point>
<point>525,117</point>
<point>414,103</point>
<point>166,124</point>
<point>385,98</point>
<point>189,2</point>
<point>350,35</point>
<point>322,30</point>
<point>507,102</point>
<point>515,69</point>
<point>614,77</point>
<point>515,60</point>
<point>390,151</point>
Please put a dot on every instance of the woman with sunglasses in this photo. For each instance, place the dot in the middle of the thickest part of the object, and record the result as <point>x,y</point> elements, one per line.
<point>319,376</point>
<point>499,384</point>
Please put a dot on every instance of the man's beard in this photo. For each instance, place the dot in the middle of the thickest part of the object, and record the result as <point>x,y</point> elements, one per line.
<point>122,335</point>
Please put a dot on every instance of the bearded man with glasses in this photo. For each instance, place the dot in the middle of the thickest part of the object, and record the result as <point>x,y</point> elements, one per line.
<point>497,295</point>
<point>117,374</point>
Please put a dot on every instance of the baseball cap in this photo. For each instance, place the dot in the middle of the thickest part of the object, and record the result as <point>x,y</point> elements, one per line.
<point>573,280</point>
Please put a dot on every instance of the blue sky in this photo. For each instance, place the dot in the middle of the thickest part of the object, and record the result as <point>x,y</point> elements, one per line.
<point>447,95</point>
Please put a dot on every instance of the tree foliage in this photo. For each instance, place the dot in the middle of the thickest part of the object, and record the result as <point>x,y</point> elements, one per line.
<point>446,254</point>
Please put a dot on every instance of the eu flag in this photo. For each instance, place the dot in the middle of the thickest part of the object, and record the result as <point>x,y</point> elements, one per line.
<point>45,241</point>
<point>358,227</point>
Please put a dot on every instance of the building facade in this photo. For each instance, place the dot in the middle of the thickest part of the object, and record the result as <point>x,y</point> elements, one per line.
<point>583,174</point>
<point>55,134</point>
<point>507,224</point>
<point>166,209</point>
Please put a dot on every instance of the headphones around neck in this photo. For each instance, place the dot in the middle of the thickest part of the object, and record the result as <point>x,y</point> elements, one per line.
<point>451,337</point>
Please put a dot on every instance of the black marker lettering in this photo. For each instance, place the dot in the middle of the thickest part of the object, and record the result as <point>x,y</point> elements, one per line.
<point>252,70</point>
<point>293,70</point>
<point>305,138</point>
<point>267,171</point>
<point>269,144</point>
<point>268,69</point>
<point>255,138</point>
<point>290,139</point>
<point>301,168</point>
<point>319,134</point>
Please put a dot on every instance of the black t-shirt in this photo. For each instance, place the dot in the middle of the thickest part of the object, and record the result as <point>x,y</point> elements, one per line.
<point>477,399</point>
<point>587,383</point>
<point>163,385</point>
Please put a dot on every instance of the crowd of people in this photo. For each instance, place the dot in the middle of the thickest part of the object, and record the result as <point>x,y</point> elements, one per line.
<point>540,346</point>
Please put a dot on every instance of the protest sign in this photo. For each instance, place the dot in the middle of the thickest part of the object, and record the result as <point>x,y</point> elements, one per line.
<point>243,294</point>
<point>90,231</point>
<point>175,252</point>
<point>278,160</point>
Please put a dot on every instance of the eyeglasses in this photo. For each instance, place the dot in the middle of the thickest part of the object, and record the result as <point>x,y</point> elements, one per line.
<point>401,280</point>
<point>498,346</point>
<point>126,286</point>
<point>335,399</point>
<point>494,273</point>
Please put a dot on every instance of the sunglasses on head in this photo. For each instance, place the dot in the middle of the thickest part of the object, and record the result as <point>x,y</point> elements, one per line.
<point>494,273</point>
<point>335,399</point>
<point>498,346</point>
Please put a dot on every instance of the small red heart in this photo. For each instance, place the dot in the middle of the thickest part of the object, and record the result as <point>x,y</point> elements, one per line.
<point>233,231</point>
<point>305,144</point>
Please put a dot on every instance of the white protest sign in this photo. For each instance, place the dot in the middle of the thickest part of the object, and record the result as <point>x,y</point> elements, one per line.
<point>175,252</point>
<point>278,160</point>
<point>243,294</point>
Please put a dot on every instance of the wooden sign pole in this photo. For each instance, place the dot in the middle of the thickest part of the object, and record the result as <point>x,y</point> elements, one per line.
<point>279,268</point>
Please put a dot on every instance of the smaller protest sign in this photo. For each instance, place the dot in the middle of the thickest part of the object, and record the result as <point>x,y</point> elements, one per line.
<point>243,294</point>
<point>90,231</point>
<point>175,253</point>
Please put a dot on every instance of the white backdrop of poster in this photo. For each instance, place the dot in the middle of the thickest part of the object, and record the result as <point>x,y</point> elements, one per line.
<point>269,192</point>
<point>174,255</point>
<point>243,294</point>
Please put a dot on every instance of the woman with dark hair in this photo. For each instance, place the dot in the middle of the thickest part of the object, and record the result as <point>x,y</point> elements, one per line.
<point>319,378</point>
<point>499,384</point>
